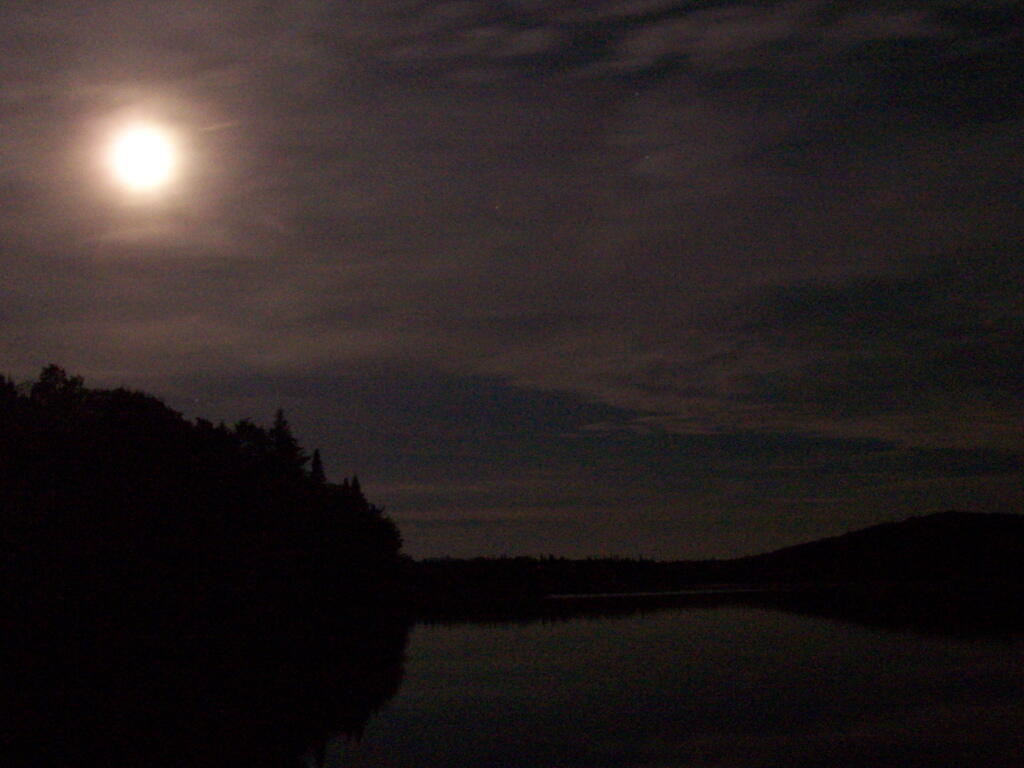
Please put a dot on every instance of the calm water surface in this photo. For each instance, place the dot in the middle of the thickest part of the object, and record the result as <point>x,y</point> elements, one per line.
<point>697,687</point>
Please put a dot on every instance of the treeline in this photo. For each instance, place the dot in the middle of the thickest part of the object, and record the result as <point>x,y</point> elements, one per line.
<point>116,509</point>
<point>959,552</point>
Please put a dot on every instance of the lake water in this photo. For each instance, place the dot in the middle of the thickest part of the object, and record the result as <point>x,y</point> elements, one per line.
<point>697,687</point>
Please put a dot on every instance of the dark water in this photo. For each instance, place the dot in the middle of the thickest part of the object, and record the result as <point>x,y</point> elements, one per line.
<point>704,686</point>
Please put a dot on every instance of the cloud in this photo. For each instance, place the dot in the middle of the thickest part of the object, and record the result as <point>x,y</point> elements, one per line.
<point>939,349</point>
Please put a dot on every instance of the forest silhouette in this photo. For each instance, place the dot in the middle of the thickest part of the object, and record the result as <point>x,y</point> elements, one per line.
<point>116,504</point>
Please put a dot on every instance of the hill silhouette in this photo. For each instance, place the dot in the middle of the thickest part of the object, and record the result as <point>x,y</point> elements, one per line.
<point>944,547</point>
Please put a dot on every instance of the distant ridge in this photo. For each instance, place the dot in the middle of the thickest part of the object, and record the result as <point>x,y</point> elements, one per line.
<point>947,546</point>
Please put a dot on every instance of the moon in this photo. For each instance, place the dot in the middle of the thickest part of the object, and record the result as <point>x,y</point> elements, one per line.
<point>143,158</point>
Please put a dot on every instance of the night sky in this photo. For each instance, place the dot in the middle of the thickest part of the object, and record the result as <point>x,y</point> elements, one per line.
<point>672,279</point>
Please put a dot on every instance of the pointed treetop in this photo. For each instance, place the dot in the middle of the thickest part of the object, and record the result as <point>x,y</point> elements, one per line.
<point>284,445</point>
<point>316,469</point>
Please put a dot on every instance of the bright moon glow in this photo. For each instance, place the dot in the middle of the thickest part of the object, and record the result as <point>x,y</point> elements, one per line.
<point>143,158</point>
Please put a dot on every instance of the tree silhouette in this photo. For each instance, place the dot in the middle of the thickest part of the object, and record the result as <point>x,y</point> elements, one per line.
<point>8,391</point>
<point>56,388</point>
<point>285,447</point>
<point>316,469</point>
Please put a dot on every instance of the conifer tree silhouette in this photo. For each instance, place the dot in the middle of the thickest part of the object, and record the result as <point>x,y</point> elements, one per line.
<point>316,469</point>
<point>284,446</point>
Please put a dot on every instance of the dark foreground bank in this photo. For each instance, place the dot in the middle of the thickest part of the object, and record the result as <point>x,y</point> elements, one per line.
<point>183,593</point>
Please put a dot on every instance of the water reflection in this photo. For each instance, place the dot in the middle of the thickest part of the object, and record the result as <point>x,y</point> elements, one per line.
<point>711,680</point>
<point>979,611</point>
<point>255,699</point>
<point>283,698</point>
